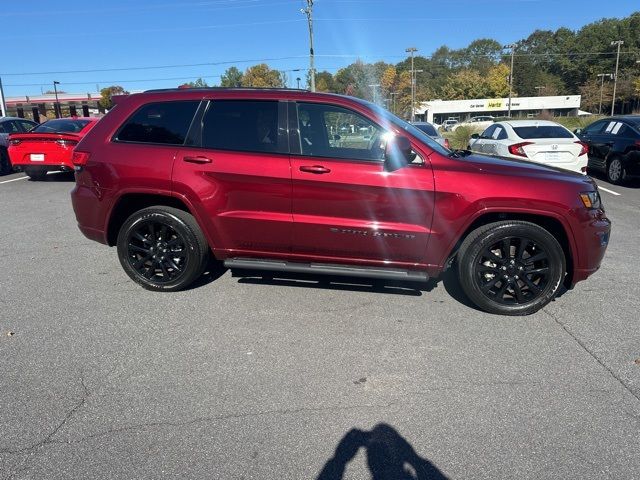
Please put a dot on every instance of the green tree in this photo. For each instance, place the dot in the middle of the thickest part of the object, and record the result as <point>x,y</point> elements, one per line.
<point>325,82</point>
<point>106,93</point>
<point>232,77</point>
<point>262,76</point>
<point>199,83</point>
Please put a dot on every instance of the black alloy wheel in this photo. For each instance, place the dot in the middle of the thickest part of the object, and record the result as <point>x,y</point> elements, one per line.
<point>511,267</point>
<point>162,248</point>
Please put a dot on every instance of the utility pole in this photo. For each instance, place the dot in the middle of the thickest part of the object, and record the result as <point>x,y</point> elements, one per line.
<point>3,105</point>
<point>615,78</point>
<point>393,101</point>
<point>512,46</point>
<point>412,50</point>
<point>374,88</point>
<point>602,75</point>
<point>312,71</point>
<point>57,107</point>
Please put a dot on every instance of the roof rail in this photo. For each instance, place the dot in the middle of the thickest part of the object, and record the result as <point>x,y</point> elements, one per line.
<point>177,89</point>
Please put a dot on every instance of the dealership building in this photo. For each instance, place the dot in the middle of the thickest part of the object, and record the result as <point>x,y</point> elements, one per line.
<point>440,110</point>
<point>36,107</point>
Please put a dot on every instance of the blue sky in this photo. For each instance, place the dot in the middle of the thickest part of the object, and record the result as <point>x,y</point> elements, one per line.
<point>54,36</point>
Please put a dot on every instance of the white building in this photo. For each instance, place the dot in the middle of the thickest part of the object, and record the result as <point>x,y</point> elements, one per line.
<point>440,110</point>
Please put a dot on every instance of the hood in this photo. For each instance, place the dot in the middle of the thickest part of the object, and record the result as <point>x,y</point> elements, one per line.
<point>512,167</point>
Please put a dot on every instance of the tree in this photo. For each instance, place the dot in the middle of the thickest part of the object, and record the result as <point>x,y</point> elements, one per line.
<point>497,81</point>
<point>262,76</point>
<point>232,77</point>
<point>52,92</point>
<point>590,92</point>
<point>325,82</point>
<point>106,93</point>
<point>199,83</point>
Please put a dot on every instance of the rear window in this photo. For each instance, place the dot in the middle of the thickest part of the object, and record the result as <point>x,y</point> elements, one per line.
<point>426,128</point>
<point>61,126</point>
<point>545,131</point>
<point>165,123</point>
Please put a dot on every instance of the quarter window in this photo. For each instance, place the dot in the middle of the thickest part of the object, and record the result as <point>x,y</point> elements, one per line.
<point>335,132</point>
<point>164,123</point>
<point>246,126</point>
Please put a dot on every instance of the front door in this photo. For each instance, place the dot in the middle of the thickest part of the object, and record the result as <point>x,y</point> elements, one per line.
<point>237,173</point>
<point>345,204</point>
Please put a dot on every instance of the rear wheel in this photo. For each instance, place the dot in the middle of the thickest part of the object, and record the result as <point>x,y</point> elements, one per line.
<point>615,171</point>
<point>5,164</point>
<point>511,267</point>
<point>162,248</point>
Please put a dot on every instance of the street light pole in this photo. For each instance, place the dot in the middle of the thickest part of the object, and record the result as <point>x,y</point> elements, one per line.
<point>512,46</point>
<point>57,108</point>
<point>3,105</point>
<point>602,75</point>
<point>615,78</point>
<point>298,80</point>
<point>312,71</point>
<point>412,50</point>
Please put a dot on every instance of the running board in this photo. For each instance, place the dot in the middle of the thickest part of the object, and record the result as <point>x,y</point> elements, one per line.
<point>327,269</point>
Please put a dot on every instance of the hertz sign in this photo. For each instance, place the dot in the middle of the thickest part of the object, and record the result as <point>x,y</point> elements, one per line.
<point>494,104</point>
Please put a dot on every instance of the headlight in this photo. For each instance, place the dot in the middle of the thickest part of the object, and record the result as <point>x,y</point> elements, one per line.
<point>591,200</point>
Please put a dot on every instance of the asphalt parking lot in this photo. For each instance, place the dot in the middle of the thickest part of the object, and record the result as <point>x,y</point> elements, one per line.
<point>254,378</point>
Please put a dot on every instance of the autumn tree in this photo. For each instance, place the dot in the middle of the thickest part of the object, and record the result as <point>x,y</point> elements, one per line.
<point>232,77</point>
<point>261,76</point>
<point>199,83</point>
<point>325,82</point>
<point>106,93</point>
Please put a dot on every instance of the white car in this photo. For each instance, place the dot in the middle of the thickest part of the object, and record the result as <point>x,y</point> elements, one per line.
<point>476,123</point>
<point>538,141</point>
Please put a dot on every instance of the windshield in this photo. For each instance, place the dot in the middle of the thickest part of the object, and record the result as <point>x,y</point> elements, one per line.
<point>427,128</point>
<point>61,126</point>
<point>545,131</point>
<point>398,122</point>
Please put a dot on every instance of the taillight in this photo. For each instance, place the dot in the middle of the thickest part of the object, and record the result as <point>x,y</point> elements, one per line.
<point>518,149</point>
<point>66,143</point>
<point>79,159</point>
<point>585,148</point>
<point>446,143</point>
<point>15,142</point>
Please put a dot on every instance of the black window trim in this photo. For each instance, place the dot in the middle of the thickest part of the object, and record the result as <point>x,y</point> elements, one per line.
<point>299,153</point>
<point>114,137</point>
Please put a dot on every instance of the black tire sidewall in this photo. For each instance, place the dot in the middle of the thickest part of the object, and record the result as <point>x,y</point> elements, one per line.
<point>194,256</point>
<point>557,265</point>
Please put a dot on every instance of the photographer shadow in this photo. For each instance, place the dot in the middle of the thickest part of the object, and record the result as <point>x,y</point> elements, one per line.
<point>389,456</point>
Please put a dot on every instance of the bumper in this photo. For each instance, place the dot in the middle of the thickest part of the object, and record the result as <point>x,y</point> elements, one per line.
<point>89,205</point>
<point>43,168</point>
<point>593,239</point>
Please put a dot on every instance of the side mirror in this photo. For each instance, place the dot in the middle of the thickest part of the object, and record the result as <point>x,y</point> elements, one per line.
<point>577,131</point>
<point>475,135</point>
<point>397,153</point>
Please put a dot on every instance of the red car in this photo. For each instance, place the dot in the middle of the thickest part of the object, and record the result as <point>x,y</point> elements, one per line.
<point>48,146</point>
<point>294,181</point>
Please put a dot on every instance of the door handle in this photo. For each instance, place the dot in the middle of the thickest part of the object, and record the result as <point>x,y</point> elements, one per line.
<point>317,169</point>
<point>197,159</point>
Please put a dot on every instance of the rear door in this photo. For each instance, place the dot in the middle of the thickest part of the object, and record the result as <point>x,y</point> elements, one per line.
<point>595,137</point>
<point>235,170</point>
<point>345,204</point>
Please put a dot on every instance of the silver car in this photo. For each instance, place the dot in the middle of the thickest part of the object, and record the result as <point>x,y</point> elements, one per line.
<point>433,132</point>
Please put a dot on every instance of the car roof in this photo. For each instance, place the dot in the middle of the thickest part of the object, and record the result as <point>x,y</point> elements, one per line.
<point>73,119</point>
<point>634,119</point>
<point>530,123</point>
<point>2,119</point>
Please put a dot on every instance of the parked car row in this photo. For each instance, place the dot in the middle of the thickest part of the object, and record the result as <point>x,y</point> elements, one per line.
<point>610,145</point>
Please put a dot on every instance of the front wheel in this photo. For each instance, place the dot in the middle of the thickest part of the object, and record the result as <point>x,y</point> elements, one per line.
<point>511,267</point>
<point>162,248</point>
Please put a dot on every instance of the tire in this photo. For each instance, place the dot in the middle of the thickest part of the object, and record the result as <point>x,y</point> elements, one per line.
<point>143,241</point>
<point>511,267</point>
<point>615,171</point>
<point>5,163</point>
<point>36,175</point>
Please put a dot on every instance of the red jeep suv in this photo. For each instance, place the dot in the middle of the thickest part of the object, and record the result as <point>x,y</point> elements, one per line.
<point>293,181</point>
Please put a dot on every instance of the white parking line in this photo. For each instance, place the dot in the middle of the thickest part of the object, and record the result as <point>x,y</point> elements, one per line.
<point>14,179</point>
<point>609,191</point>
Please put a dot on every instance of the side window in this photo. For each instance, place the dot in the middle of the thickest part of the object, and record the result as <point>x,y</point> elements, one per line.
<point>335,132</point>
<point>595,127</point>
<point>488,133</point>
<point>503,134</point>
<point>10,127</point>
<point>3,128</point>
<point>242,125</point>
<point>165,123</point>
<point>26,126</point>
